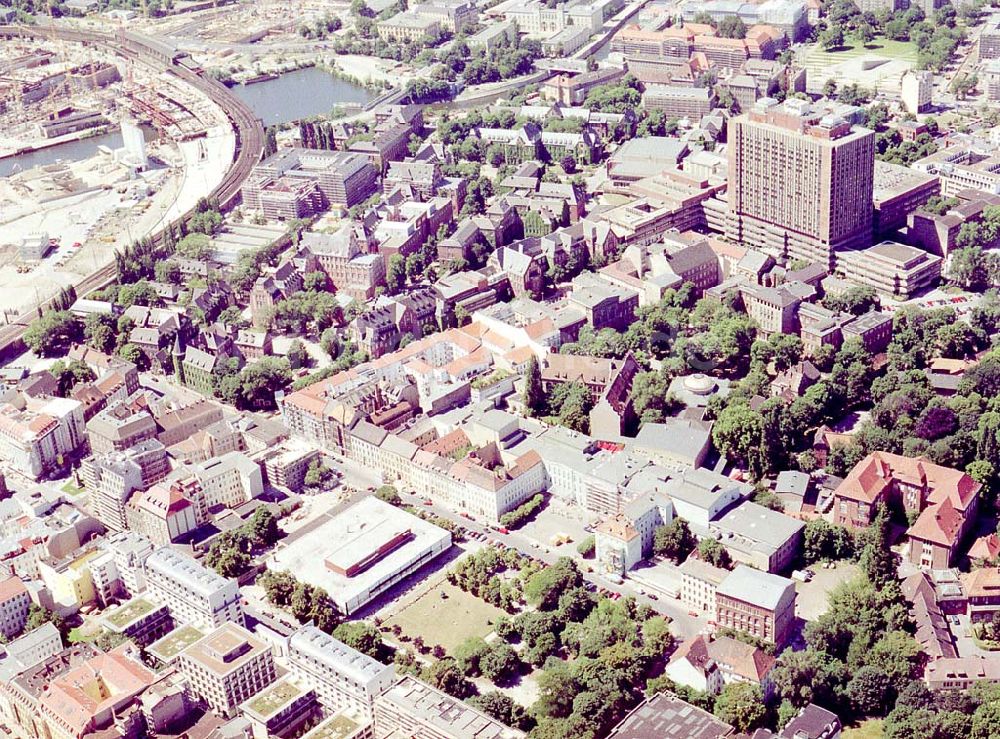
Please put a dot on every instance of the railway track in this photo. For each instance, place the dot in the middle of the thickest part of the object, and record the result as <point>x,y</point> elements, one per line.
<point>247,128</point>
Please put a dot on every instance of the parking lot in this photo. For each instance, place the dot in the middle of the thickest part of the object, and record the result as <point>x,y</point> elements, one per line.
<point>812,601</point>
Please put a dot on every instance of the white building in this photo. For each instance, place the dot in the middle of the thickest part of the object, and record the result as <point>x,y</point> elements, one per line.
<point>194,593</point>
<point>340,676</point>
<point>700,496</point>
<point>230,480</point>
<point>699,583</point>
<point>32,442</point>
<point>362,552</point>
<point>14,604</point>
<point>916,89</point>
<point>17,656</point>
<point>537,18</point>
<point>130,551</point>
<point>227,667</point>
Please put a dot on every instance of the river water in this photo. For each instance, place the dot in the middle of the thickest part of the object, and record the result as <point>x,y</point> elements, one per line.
<point>299,94</point>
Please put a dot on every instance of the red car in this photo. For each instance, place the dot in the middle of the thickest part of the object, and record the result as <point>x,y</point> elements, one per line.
<point>502,530</point>
<point>77,244</point>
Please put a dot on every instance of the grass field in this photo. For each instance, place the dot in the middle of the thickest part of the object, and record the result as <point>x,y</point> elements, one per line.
<point>871,729</point>
<point>903,50</point>
<point>446,621</point>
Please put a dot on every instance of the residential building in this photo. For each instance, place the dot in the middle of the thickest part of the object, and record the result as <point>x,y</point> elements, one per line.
<point>283,709</point>
<point>679,101</point>
<point>707,664</point>
<point>341,676</point>
<point>111,478</point>
<point>982,590</point>
<point>229,480</point>
<point>130,551</point>
<point>140,620</point>
<point>409,26</point>
<point>121,426</point>
<point>756,603</point>
<point>800,182</point>
<point>699,582</point>
<point>759,537</point>
<point>812,722</point>
<point>961,673</point>
<point>163,514</point>
<point>414,709</point>
<point>33,442</point>
<point>15,600</point>
<point>454,15</point>
<point>989,39</point>
<point>916,88</point>
<point>194,593</point>
<point>227,667</point>
<point>78,692</point>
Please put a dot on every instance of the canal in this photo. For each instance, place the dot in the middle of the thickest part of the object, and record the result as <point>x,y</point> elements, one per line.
<point>300,94</point>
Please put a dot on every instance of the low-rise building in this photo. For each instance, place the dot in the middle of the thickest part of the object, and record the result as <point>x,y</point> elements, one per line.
<point>759,537</point>
<point>140,619</point>
<point>756,603</point>
<point>665,713</point>
<point>699,582</point>
<point>414,709</point>
<point>362,552</point>
<point>891,268</point>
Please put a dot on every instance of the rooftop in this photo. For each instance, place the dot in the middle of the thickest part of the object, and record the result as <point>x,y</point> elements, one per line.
<point>131,611</point>
<point>175,642</point>
<point>756,587</point>
<point>272,699</point>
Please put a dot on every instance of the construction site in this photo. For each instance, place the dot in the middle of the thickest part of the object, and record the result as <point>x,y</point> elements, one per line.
<point>100,149</point>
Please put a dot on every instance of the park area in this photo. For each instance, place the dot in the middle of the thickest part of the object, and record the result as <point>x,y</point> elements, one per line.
<point>447,616</point>
<point>855,62</point>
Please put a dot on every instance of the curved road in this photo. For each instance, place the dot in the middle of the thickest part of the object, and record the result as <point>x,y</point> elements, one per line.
<point>248,129</point>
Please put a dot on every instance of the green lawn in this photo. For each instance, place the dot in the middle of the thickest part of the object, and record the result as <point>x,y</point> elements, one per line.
<point>446,621</point>
<point>871,729</point>
<point>904,50</point>
<point>70,489</point>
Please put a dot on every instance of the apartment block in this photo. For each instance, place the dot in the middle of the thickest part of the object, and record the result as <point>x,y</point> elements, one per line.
<point>800,182</point>
<point>140,619</point>
<point>342,677</point>
<point>34,441</point>
<point>112,477</point>
<point>121,426</point>
<point>227,667</point>
<point>679,101</point>
<point>14,604</point>
<point>195,593</point>
<point>230,480</point>
<point>409,26</point>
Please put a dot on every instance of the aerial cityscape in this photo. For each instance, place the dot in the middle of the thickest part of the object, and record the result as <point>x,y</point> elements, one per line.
<point>500,369</point>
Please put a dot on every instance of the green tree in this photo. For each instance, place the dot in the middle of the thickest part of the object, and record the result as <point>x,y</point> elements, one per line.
<point>742,705</point>
<point>500,665</point>
<point>877,560</point>
<point>297,355</point>
<point>674,540</point>
<point>469,654</point>
<point>732,26</point>
<point>544,587</point>
<point>388,494</point>
<point>534,397</point>
<point>395,274</point>
<point>711,551</point>
<point>53,333</point>
<point>445,675</point>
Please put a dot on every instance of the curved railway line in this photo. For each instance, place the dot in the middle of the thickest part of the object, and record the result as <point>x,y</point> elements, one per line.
<point>248,129</point>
